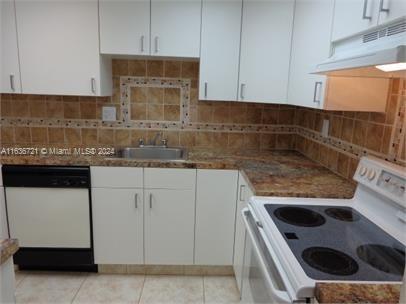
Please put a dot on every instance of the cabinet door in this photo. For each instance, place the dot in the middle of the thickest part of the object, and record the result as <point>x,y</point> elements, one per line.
<point>175,28</point>
<point>10,69</point>
<point>390,10</point>
<point>310,46</point>
<point>353,16</point>
<point>220,49</point>
<point>118,226</point>
<point>244,193</point>
<point>265,50</point>
<point>216,193</point>
<point>169,226</point>
<point>59,46</point>
<point>124,27</point>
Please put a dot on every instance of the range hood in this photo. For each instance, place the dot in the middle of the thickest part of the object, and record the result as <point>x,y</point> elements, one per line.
<point>369,54</point>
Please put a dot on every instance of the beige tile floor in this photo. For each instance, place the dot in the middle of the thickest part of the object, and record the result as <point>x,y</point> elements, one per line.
<point>47,288</point>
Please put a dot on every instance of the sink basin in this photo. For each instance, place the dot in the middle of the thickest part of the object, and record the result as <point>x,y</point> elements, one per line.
<point>153,152</point>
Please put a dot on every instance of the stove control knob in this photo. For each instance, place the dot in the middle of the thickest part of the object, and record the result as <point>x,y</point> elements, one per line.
<point>371,174</point>
<point>362,171</point>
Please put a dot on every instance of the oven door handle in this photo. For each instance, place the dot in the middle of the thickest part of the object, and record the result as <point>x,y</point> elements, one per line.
<point>279,295</point>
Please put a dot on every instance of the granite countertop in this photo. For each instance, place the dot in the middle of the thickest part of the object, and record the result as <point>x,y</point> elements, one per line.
<point>269,173</point>
<point>7,248</point>
<point>357,293</point>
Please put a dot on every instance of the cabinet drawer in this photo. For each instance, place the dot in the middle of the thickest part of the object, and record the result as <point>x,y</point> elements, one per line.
<point>170,178</point>
<point>116,177</point>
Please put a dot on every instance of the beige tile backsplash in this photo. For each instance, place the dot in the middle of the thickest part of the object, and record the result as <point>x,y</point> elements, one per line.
<point>76,120</point>
<point>162,95</point>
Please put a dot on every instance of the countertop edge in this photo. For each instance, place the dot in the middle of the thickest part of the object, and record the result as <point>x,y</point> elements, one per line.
<point>8,247</point>
<point>357,293</point>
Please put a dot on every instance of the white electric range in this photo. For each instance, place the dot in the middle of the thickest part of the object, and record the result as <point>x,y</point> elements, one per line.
<point>292,243</point>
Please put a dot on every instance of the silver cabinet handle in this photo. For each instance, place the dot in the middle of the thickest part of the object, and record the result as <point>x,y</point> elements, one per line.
<point>12,85</point>
<point>242,196</point>
<point>136,200</point>
<point>142,43</point>
<point>205,90</point>
<point>242,91</point>
<point>156,44</point>
<point>382,9</point>
<point>93,85</point>
<point>317,86</point>
<point>150,201</point>
<point>364,11</point>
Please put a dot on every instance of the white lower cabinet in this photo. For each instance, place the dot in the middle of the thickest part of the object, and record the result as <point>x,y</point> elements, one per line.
<point>118,226</point>
<point>164,216</point>
<point>7,282</point>
<point>169,216</point>
<point>244,194</point>
<point>215,216</point>
<point>169,226</point>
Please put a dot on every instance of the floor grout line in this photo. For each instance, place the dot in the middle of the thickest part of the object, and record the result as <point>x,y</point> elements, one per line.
<point>19,283</point>
<point>142,288</point>
<point>204,290</point>
<point>80,287</point>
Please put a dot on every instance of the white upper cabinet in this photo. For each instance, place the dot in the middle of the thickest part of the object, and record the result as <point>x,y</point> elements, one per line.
<point>310,46</point>
<point>9,69</point>
<point>59,48</point>
<point>124,27</point>
<point>265,50</point>
<point>175,28</point>
<point>390,10</point>
<point>220,49</point>
<point>353,16</point>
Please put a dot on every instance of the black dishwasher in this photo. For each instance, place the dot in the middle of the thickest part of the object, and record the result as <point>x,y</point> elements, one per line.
<point>49,211</point>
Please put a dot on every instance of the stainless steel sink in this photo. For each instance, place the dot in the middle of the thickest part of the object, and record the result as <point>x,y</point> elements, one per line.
<point>153,152</point>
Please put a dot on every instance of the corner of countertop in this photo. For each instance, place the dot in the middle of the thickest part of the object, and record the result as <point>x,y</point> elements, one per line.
<point>357,293</point>
<point>8,247</point>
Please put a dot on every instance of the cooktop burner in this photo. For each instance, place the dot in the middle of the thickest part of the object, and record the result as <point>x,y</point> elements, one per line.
<point>384,258</point>
<point>330,261</point>
<point>342,214</point>
<point>299,216</point>
<point>338,243</point>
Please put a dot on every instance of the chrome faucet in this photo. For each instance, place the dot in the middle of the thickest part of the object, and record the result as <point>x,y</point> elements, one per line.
<point>153,141</point>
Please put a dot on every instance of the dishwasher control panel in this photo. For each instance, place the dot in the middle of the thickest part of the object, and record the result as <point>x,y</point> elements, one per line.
<point>46,176</point>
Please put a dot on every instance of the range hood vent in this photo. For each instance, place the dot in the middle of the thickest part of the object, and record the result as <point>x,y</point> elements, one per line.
<point>383,45</point>
<point>388,31</point>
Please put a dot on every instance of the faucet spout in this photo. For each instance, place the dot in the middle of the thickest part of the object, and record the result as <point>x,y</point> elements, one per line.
<point>153,141</point>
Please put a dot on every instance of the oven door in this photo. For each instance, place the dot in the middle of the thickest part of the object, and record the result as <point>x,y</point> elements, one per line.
<point>261,280</point>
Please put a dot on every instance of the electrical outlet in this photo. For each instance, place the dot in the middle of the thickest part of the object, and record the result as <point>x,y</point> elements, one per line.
<point>325,127</point>
<point>109,114</point>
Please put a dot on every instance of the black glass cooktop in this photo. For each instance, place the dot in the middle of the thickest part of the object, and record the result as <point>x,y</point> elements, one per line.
<point>338,243</point>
